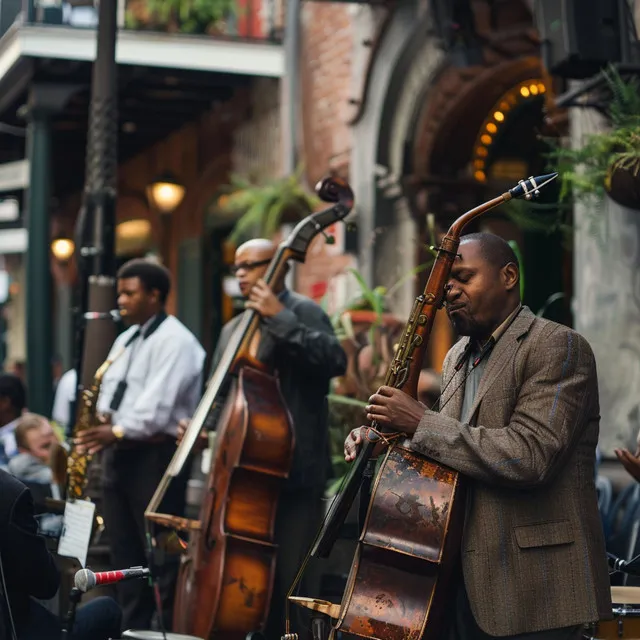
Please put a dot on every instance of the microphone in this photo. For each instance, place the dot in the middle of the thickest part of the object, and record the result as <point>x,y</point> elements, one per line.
<point>85,579</point>
<point>631,567</point>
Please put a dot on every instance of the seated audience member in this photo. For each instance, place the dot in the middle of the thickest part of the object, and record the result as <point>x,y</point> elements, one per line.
<point>34,439</point>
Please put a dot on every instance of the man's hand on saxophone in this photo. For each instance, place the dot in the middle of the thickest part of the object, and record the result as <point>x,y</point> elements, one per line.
<point>390,408</point>
<point>96,438</point>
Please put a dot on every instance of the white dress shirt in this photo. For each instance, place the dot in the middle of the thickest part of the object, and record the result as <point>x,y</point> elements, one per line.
<point>65,394</point>
<point>164,379</point>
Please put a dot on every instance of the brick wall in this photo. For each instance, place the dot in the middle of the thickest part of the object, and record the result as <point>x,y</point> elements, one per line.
<point>326,87</point>
<point>327,47</point>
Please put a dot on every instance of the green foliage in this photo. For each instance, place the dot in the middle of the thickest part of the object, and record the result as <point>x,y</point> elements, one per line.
<point>585,172</point>
<point>344,414</point>
<point>263,206</point>
<point>554,297</point>
<point>193,16</point>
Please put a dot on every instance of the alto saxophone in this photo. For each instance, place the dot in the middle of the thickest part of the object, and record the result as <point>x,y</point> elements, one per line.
<point>78,463</point>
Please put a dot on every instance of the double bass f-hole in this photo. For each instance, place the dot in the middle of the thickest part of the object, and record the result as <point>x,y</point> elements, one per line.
<point>209,537</point>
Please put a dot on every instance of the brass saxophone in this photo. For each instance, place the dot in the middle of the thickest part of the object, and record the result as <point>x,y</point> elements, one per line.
<point>78,463</point>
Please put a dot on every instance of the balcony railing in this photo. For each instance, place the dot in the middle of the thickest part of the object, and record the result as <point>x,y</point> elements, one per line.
<point>243,19</point>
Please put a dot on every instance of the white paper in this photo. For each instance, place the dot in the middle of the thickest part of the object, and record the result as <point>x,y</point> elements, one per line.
<point>76,530</point>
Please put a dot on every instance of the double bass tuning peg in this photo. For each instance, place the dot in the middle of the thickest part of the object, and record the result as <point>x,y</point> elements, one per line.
<point>351,227</point>
<point>289,636</point>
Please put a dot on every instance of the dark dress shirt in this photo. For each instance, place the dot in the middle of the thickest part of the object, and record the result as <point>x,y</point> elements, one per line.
<point>300,345</point>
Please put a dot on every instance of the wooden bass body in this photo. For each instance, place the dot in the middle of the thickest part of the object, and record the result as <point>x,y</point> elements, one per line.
<point>407,551</point>
<point>226,579</point>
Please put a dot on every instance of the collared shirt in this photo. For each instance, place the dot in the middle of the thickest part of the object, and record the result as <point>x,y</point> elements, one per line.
<point>8,438</point>
<point>164,379</point>
<point>65,395</point>
<point>474,374</point>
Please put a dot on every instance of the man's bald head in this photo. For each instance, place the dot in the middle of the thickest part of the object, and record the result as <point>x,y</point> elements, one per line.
<point>494,249</point>
<point>262,245</point>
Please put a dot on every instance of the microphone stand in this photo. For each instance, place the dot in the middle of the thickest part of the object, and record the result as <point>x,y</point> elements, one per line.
<point>74,598</point>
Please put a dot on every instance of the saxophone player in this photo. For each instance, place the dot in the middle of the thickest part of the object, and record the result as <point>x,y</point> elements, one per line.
<point>147,390</point>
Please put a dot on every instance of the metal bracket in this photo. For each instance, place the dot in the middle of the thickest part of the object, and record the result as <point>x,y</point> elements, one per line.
<point>571,98</point>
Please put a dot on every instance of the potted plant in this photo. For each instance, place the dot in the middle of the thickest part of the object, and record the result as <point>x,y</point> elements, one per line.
<point>609,161</point>
<point>368,333</point>
<point>263,207</point>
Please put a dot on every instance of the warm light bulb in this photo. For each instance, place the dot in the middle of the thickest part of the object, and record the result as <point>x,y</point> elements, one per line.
<point>486,139</point>
<point>491,127</point>
<point>524,92</point>
<point>480,176</point>
<point>534,89</point>
<point>63,248</point>
<point>167,195</point>
<point>499,116</point>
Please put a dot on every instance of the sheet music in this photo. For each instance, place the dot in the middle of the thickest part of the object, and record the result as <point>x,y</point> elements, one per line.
<point>76,530</point>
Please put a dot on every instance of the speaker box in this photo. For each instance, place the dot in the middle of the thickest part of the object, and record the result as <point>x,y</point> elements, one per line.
<point>579,37</point>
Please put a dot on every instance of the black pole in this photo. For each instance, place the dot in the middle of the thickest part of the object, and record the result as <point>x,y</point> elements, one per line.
<point>38,303</point>
<point>95,229</point>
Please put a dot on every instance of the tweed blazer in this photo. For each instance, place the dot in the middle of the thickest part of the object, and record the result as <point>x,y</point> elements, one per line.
<point>533,553</point>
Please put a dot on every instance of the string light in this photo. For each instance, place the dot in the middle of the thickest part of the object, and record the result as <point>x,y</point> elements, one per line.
<point>497,117</point>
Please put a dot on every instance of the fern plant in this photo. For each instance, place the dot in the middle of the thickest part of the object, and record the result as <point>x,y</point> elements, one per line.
<point>587,171</point>
<point>263,207</point>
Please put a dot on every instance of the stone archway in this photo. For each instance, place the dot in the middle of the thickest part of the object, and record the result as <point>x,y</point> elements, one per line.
<point>421,120</point>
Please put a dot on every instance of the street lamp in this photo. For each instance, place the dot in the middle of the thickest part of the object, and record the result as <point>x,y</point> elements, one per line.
<point>165,193</point>
<point>62,249</point>
<point>132,236</point>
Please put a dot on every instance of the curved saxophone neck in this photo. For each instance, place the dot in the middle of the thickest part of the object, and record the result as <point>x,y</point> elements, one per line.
<point>102,370</point>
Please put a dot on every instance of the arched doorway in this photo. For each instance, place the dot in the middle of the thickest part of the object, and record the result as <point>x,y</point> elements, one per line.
<point>430,116</point>
<point>491,136</point>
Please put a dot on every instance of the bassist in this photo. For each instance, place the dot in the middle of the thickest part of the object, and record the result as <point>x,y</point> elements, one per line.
<point>298,342</point>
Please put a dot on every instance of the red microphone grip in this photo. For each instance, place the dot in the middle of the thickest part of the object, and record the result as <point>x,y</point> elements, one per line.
<point>107,577</point>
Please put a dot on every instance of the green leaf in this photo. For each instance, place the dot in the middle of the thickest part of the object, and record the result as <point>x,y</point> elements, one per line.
<point>331,397</point>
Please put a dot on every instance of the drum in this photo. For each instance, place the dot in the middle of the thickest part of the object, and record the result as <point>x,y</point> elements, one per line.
<point>140,634</point>
<point>626,617</point>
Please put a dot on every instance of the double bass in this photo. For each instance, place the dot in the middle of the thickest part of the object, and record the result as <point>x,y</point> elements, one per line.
<point>401,576</point>
<point>226,577</point>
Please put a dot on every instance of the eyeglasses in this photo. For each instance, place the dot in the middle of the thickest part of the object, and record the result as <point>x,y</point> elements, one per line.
<point>248,266</point>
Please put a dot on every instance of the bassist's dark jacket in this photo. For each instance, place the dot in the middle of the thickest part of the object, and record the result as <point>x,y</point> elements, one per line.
<point>300,344</point>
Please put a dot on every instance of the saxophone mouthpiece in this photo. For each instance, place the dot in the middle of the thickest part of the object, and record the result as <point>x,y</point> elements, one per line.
<point>530,188</point>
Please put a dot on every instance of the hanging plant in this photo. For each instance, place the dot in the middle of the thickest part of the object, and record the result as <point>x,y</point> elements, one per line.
<point>264,207</point>
<point>609,161</point>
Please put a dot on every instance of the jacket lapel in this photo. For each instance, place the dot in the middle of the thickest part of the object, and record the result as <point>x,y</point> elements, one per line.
<point>451,401</point>
<point>503,353</point>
